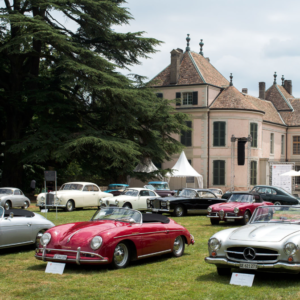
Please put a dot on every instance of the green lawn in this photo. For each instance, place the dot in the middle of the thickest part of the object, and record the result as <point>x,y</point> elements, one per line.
<point>187,277</point>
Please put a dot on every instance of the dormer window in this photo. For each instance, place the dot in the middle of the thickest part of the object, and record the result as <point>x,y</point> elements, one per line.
<point>187,98</point>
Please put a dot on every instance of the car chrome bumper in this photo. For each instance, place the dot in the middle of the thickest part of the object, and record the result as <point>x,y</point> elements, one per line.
<point>75,258</point>
<point>225,217</point>
<point>278,265</point>
<point>49,206</point>
<point>162,210</point>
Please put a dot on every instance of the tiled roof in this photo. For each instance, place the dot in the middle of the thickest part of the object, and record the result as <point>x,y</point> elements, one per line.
<point>292,118</point>
<point>231,98</point>
<point>278,96</point>
<point>194,68</point>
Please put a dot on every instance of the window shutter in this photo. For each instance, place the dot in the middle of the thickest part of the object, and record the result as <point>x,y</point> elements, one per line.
<point>178,96</point>
<point>215,139</point>
<point>159,95</point>
<point>189,134</point>
<point>215,172</point>
<point>222,172</point>
<point>195,98</point>
<point>222,133</point>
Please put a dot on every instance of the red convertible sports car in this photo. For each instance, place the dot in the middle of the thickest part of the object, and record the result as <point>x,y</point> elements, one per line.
<point>114,235</point>
<point>239,208</point>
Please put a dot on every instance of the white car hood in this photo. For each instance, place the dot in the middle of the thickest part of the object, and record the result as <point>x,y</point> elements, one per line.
<point>264,232</point>
<point>121,198</point>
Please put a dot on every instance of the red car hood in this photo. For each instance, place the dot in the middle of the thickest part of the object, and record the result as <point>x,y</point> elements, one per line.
<point>229,205</point>
<point>81,232</point>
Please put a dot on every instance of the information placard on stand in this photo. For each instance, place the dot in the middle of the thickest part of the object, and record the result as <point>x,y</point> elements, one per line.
<point>55,268</point>
<point>242,279</point>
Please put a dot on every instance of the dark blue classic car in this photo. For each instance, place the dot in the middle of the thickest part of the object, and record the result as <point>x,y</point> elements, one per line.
<point>273,194</point>
<point>189,201</point>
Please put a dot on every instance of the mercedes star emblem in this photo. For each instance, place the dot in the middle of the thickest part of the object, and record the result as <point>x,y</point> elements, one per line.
<point>249,253</point>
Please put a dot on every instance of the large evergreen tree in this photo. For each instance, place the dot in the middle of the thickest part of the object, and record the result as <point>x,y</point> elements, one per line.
<point>61,98</point>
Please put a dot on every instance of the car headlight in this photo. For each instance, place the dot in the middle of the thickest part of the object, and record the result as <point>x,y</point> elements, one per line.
<point>290,248</point>
<point>101,201</point>
<point>168,202</point>
<point>43,198</point>
<point>163,203</point>
<point>57,199</point>
<point>45,239</point>
<point>209,209</point>
<point>236,210</point>
<point>96,242</point>
<point>116,201</point>
<point>214,244</point>
<point>148,201</point>
<point>169,195</point>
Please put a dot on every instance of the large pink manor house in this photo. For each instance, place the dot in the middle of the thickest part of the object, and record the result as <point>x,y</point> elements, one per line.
<point>219,112</point>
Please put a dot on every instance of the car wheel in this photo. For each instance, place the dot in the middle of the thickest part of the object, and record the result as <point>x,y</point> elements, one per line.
<point>38,238</point>
<point>224,271</point>
<point>214,221</point>
<point>121,256</point>
<point>277,203</point>
<point>7,205</point>
<point>26,205</point>
<point>127,205</point>
<point>246,217</point>
<point>178,246</point>
<point>70,205</point>
<point>178,211</point>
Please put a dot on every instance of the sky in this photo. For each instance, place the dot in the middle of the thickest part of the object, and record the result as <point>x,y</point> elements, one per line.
<point>250,39</point>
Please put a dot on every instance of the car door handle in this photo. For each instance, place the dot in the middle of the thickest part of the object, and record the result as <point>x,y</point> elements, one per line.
<point>28,224</point>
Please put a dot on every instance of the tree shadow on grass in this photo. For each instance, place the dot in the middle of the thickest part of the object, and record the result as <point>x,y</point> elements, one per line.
<point>276,280</point>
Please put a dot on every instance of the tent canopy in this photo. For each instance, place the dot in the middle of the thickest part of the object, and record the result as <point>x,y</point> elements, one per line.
<point>291,173</point>
<point>182,168</point>
<point>146,166</point>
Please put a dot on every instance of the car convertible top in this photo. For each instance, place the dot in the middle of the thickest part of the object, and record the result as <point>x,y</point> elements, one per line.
<point>149,218</point>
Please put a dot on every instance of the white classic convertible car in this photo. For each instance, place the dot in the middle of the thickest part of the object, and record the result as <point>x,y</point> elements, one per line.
<point>135,198</point>
<point>73,195</point>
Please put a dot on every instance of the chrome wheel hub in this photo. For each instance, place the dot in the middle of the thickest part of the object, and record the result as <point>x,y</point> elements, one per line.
<point>121,255</point>
<point>25,205</point>
<point>69,205</point>
<point>178,245</point>
<point>179,211</point>
<point>7,206</point>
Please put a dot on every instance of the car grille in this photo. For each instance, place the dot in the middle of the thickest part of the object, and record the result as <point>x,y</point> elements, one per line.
<point>156,203</point>
<point>251,254</point>
<point>49,199</point>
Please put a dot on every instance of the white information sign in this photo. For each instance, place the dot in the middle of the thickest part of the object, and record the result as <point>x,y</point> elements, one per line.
<point>55,268</point>
<point>242,279</point>
<point>284,182</point>
<point>44,210</point>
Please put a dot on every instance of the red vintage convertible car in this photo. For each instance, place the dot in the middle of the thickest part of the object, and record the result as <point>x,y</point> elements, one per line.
<point>239,208</point>
<point>114,235</point>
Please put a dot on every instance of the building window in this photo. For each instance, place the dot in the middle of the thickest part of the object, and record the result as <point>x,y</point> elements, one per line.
<point>296,145</point>
<point>187,98</point>
<point>219,134</point>
<point>272,143</point>
<point>297,178</point>
<point>282,144</point>
<point>253,173</point>
<point>186,136</point>
<point>219,172</point>
<point>253,132</point>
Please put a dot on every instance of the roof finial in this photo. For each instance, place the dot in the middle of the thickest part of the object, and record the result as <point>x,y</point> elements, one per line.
<point>282,79</point>
<point>188,43</point>
<point>231,84</point>
<point>275,75</point>
<point>201,46</point>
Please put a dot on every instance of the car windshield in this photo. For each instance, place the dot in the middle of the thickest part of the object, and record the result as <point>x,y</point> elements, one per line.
<point>188,193</point>
<point>118,214</point>
<point>277,214</point>
<point>130,192</point>
<point>116,187</point>
<point>241,198</point>
<point>1,212</point>
<point>6,191</point>
<point>71,187</point>
<point>149,187</point>
<point>216,191</point>
<point>160,186</point>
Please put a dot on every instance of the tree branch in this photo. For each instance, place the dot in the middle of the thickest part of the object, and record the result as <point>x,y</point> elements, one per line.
<point>8,6</point>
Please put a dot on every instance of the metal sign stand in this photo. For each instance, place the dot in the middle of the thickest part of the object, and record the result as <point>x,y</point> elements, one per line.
<point>50,176</point>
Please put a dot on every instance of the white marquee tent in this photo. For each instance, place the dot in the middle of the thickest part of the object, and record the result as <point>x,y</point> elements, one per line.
<point>182,168</point>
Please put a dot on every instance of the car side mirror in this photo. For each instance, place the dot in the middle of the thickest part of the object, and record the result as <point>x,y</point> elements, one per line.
<point>131,221</point>
<point>11,215</point>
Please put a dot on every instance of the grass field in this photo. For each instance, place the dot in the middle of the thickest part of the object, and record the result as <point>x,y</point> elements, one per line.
<point>187,277</point>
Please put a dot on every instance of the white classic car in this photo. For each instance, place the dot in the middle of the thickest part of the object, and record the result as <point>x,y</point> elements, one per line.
<point>73,195</point>
<point>13,197</point>
<point>135,198</point>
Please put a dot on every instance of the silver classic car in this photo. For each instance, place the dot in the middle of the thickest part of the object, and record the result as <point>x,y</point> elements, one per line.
<point>269,242</point>
<point>20,227</point>
<point>13,197</point>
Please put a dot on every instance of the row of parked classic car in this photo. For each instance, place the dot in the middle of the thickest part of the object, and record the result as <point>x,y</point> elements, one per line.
<point>118,234</point>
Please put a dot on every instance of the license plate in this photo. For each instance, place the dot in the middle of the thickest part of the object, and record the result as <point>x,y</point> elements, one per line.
<point>154,209</point>
<point>59,256</point>
<point>248,266</point>
<point>230,220</point>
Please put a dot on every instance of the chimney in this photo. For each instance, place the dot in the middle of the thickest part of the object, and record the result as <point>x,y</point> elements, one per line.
<point>262,90</point>
<point>288,86</point>
<point>244,90</point>
<point>176,57</point>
